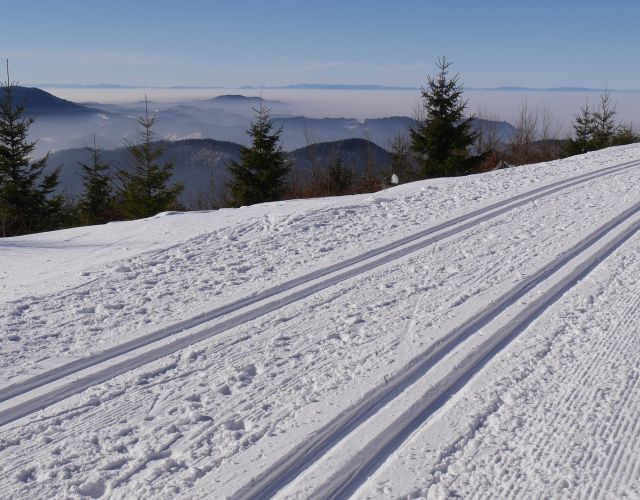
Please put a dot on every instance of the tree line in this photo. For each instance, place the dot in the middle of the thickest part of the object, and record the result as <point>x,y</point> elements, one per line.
<point>28,199</point>
<point>443,143</point>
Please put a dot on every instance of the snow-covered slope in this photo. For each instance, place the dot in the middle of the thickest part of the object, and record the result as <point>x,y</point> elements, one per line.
<point>469,336</point>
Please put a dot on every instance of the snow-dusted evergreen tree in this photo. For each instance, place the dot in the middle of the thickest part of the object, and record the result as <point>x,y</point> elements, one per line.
<point>444,136</point>
<point>145,190</point>
<point>27,200</point>
<point>262,171</point>
<point>96,204</point>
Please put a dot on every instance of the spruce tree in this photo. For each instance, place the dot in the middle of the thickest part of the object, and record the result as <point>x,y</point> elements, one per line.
<point>261,174</point>
<point>442,140</point>
<point>144,187</point>
<point>624,135</point>
<point>605,127</point>
<point>593,130</point>
<point>96,204</point>
<point>27,200</point>
<point>583,129</point>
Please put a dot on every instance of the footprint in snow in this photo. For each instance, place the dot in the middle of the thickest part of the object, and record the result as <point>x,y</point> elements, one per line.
<point>26,475</point>
<point>92,488</point>
<point>194,398</point>
<point>20,309</point>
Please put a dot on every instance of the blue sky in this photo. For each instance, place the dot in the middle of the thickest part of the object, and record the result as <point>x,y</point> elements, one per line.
<point>274,42</point>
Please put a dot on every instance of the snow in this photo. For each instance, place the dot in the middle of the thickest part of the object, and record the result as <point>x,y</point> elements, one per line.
<point>468,336</point>
<point>556,416</point>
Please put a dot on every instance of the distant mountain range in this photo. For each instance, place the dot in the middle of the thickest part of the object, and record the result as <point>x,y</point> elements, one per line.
<point>323,86</point>
<point>121,86</point>
<point>66,128</point>
<point>201,164</point>
<point>545,89</point>
<point>328,86</point>
<point>61,124</point>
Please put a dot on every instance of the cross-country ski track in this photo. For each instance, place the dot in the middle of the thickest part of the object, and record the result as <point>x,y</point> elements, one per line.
<point>349,475</point>
<point>306,425</point>
<point>248,309</point>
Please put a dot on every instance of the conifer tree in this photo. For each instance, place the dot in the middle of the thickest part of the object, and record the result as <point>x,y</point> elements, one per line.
<point>583,129</point>
<point>96,204</point>
<point>604,126</point>
<point>27,200</point>
<point>261,174</point>
<point>625,134</point>
<point>144,187</point>
<point>442,140</point>
<point>593,130</point>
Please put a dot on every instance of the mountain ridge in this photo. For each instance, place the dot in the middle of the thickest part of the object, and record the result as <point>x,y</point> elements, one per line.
<point>40,102</point>
<point>201,164</point>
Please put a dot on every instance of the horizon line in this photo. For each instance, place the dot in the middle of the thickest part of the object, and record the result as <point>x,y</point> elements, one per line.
<point>322,86</point>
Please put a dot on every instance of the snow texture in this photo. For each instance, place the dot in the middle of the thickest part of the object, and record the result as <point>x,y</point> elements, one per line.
<point>469,337</point>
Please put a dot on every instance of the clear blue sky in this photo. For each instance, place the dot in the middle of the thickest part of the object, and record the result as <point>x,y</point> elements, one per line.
<point>538,43</point>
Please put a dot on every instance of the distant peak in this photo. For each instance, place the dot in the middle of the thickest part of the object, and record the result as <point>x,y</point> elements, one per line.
<point>38,101</point>
<point>236,97</point>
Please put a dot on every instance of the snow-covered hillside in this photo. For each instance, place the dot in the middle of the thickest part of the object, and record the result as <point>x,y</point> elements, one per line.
<point>468,337</point>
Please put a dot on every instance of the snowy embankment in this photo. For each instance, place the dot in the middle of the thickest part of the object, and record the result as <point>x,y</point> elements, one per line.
<point>459,336</point>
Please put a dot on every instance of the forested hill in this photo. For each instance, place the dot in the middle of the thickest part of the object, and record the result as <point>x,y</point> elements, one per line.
<point>201,164</point>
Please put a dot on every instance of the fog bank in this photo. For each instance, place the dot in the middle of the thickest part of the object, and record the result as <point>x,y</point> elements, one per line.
<point>361,104</point>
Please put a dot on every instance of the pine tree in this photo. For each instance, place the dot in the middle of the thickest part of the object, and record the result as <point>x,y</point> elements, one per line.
<point>583,130</point>
<point>624,135</point>
<point>145,191</point>
<point>604,126</point>
<point>261,174</point>
<point>442,140</point>
<point>595,130</point>
<point>27,200</point>
<point>96,204</point>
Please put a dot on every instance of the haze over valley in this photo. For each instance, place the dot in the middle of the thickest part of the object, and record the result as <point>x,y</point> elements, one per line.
<point>177,105</point>
<point>307,116</point>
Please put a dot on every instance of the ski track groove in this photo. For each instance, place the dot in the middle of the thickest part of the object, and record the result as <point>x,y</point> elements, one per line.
<point>620,431</point>
<point>399,247</point>
<point>632,466</point>
<point>288,468</point>
<point>615,429</point>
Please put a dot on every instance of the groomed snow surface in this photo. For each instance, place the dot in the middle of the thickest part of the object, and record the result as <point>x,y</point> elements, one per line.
<point>473,337</point>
